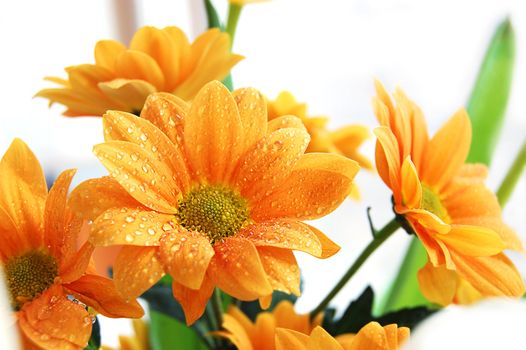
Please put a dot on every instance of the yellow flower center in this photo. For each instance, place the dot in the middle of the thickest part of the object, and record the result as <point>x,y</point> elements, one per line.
<point>29,275</point>
<point>432,203</point>
<point>215,211</point>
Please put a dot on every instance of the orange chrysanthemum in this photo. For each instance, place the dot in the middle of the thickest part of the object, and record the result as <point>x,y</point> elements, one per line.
<point>157,60</point>
<point>371,337</point>
<point>247,335</point>
<point>212,194</point>
<point>41,262</point>
<point>446,204</point>
<point>345,141</point>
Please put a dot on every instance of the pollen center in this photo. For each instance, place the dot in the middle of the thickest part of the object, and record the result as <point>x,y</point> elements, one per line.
<point>29,275</point>
<point>432,203</point>
<point>215,211</point>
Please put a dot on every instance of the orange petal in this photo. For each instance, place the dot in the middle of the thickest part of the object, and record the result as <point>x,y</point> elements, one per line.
<point>130,93</point>
<point>287,234</point>
<point>320,339</point>
<point>193,301</point>
<point>106,51</point>
<point>388,159</point>
<point>56,215</point>
<point>236,268</point>
<point>447,151</point>
<point>460,202</point>
<point>213,133</point>
<point>75,265</point>
<point>411,187</point>
<point>23,192</point>
<point>263,331</point>
<point>131,64</point>
<point>136,269</point>
<point>186,256</point>
<point>473,240</point>
<point>253,113</point>
<point>419,136</point>
<point>328,247</point>
<point>100,293</point>
<point>275,155</point>
<point>119,126</point>
<point>236,333</point>
<point>167,112</point>
<point>286,317</point>
<point>146,179</point>
<point>438,284</point>
<point>13,242</point>
<point>130,226</point>
<point>52,321</point>
<point>281,268</point>
<point>287,339</point>
<point>92,197</point>
<point>317,185</point>
<point>285,122</point>
<point>490,275</point>
<point>425,218</point>
<point>371,336</point>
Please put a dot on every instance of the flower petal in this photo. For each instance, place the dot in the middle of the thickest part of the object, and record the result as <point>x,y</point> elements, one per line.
<point>23,192</point>
<point>119,126</point>
<point>235,333</point>
<point>100,293</point>
<point>438,284</point>
<point>285,122</point>
<point>388,160</point>
<point>447,151</point>
<point>52,321</point>
<point>328,247</point>
<point>146,179</point>
<point>286,234</point>
<point>136,269</point>
<point>213,132</point>
<point>320,339</point>
<point>186,256</point>
<point>132,64</point>
<point>75,265</point>
<point>193,301</point>
<point>236,268</point>
<point>281,268</point>
<point>317,185</point>
<point>411,187</point>
<point>472,240</point>
<point>131,93</point>
<point>274,155</point>
<point>287,339</point>
<point>13,242</point>
<point>130,226</point>
<point>106,51</point>
<point>253,114</point>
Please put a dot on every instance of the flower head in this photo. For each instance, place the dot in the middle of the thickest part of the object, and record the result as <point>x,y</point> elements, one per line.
<point>157,60</point>
<point>445,203</point>
<point>212,194</point>
<point>43,268</point>
<point>345,141</point>
<point>372,336</point>
<point>247,335</point>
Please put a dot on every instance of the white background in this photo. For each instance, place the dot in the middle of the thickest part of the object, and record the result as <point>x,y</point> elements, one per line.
<point>326,52</point>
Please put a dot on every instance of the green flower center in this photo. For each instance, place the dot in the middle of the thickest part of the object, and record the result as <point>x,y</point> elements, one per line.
<point>432,203</point>
<point>215,211</point>
<point>29,275</point>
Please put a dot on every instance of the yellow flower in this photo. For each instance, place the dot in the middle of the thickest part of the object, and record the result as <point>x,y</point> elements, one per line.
<point>139,341</point>
<point>157,60</point>
<point>371,337</point>
<point>212,194</point>
<point>247,335</point>
<point>455,216</point>
<point>345,141</point>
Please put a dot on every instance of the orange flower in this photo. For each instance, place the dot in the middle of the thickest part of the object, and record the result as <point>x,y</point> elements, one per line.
<point>345,141</point>
<point>157,60</point>
<point>445,202</point>
<point>371,337</point>
<point>212,194</point>
<point>246,335</point>
<point>40,260</point>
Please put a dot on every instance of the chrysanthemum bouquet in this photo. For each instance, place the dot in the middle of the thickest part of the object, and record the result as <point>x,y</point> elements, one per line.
<point>210,189</point>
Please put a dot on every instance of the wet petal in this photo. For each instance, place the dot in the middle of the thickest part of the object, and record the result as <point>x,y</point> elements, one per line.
<point>100,293</point>
<point>13,242</point>
<point>328,247</point>
<point>193,301</point>
<point>130,226</point>
<point>253,114</point>
<point>236,268</point>
<point>317,185</point>
<point>438,284</point>
<point>281,268</point>
<point>146,179</point>
<point>136,269</point>
<point>186,256</point>
<point>52,321</point>
<point>213,132</point>
<point>285,122</point>
<point>75,265</point>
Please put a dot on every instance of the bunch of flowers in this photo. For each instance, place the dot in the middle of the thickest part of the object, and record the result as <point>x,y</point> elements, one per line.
<point>206,198</point>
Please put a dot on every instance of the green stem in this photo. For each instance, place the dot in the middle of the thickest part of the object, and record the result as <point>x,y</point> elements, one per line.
<point>234,11</point>
<point>211,15</point>
<point>380,237</point>
<point>218,308</point>
<point>512,177</point>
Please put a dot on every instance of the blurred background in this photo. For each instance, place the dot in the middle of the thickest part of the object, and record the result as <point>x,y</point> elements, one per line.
<point>326,53</point>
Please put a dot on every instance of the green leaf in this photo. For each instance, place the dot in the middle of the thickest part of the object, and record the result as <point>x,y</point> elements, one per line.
<point>167,333</point>
<point>94,340</point>
<point>489,98</point>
